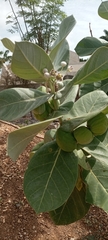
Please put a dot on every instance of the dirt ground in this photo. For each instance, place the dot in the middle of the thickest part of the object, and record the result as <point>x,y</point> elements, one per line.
<point>19,222</point>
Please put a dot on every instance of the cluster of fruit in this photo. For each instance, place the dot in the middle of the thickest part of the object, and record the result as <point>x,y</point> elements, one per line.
<point>42,112</point>
<point>69,141</point>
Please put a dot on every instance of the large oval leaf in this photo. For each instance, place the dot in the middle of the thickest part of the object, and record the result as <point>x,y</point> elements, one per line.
<point>97,176</point>
<point>65,28</point>
<point>96,180</point>
<point>69,92</point>
<point>29,60</point>
<point>17,102</point>
<point>85,108</point>
<point>61,55</point>
<point>97,150</point>
<point>50,178</point>
<point>101,85</point>
<point>72,210</point>
<point>103,10</point>
<point>8,44</point>
<point>87,46</point>
<point>95,69</point>
<point>19,139</point>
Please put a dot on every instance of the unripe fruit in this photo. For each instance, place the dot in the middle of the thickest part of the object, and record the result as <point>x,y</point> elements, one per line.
<point>39,110</point>
<point>41,117</point>
<point>98,124</point>
<point>65,140</point>
<point>48,108</point>
<point>83,135</point>
<point>54,103</point>
<point>49,135</point>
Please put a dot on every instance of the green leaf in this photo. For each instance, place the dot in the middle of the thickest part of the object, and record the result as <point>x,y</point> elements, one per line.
<point>63,110</point>
<point>65,28</point>
<point>97,150</point>
<point>8,44</point>
<point>101,85</point>
<point>104,138</point>
<point>69,92</point>
<point>87,46</point>
<point>17,102</point>
<point>85,108</point>
<point>95,69</point>
<point>29,60</point>
<point>19,139</point>
<point>96,180</point>
<point>72,210</point>
<point>103,10</point>
<point>50,178</point>
<point>61,55</point>
<point>86,88</point>
<point>105,111</point>
<point>82,159</point>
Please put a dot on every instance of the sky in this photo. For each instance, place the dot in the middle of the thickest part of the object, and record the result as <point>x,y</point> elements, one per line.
<point>84,11</point>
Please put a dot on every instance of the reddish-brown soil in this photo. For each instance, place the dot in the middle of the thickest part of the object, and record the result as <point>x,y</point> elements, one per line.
<point>19,222</point>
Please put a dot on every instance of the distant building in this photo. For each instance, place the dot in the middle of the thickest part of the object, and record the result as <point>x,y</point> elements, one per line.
<point>75,63</point>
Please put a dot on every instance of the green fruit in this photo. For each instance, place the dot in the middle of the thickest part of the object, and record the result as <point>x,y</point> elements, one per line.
<point>54,103</point>
<point>65,140</point>
<point>98,124</point>
<point>39,110</point>
<point>41,113</point>
<point>49,135</point>
<point>83,135</point>
<point>48,107</point>
<point>41,117</point>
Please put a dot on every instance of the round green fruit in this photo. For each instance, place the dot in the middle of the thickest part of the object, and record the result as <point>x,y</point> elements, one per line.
<point>48,107</point>
<point>98,124</point>
<point>41,117</point>
<point>39,110</point>
<point>65,140</point>
<point>49,135</point>
<point>54,103</point>
<point>83,135</point>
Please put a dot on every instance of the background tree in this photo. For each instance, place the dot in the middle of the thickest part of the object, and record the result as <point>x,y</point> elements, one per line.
<point>4,57</point>
<point>106,35</point>
<point>41,20</point>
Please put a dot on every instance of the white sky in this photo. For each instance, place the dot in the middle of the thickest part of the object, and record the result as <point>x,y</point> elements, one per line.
<point>84,11</point>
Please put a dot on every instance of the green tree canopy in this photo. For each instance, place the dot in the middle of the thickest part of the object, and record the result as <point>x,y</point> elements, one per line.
<point>106,35</point>
<point>41,20</point>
